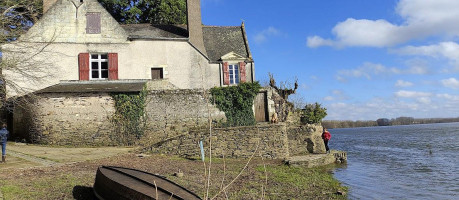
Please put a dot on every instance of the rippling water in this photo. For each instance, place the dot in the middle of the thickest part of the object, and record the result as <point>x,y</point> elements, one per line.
<point>400,162</point>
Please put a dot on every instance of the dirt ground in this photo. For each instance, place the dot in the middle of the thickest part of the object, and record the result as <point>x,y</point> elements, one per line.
<point>73,173</point>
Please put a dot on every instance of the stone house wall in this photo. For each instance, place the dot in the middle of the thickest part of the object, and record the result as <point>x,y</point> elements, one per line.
<point>77,119</point>
<point>60,36</point>
<point>84,118</point>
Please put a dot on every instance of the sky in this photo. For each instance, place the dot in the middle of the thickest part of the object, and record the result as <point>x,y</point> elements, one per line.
<point>361,59</point>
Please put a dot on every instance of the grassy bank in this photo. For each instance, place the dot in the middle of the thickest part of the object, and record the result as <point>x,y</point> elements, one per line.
<point>262,178</point>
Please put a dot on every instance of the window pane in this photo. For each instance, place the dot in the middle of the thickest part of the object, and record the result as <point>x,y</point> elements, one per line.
<point>95,74</point>
<point>104,74</point>
<point>231,80</point>
<point>104,65</point>
<point>94,65</point>
<point>94,56</point>
<point>104,56</point>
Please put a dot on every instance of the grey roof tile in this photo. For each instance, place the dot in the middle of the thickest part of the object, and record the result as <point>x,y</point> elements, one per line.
<point>148,31</point>
<point>95,86</point>
<point>220,40</point>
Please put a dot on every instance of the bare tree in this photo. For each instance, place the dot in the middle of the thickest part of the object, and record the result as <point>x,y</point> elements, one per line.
<point>21,67</point>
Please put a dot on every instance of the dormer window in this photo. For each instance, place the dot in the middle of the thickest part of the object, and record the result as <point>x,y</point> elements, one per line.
<point>233,68</point>
<point>233,74</point>
<point>92,23</point>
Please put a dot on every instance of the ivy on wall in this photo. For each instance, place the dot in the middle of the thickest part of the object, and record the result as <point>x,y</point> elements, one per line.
<point>236,102</point>
<point>129,117</point>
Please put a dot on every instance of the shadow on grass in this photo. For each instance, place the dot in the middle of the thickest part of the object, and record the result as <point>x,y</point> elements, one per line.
<point>83,193</point>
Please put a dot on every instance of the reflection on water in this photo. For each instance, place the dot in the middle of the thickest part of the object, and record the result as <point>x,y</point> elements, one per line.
<point>400,162</point>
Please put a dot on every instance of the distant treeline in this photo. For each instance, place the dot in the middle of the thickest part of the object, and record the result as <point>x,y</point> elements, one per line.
<point>385,122</point>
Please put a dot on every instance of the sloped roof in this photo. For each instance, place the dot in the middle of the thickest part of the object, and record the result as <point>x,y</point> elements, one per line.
<point>220,40</point>
<point>95,86</point>
<point>148,31</point>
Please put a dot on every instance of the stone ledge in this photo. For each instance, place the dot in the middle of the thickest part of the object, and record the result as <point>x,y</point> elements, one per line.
<point>315,160</point>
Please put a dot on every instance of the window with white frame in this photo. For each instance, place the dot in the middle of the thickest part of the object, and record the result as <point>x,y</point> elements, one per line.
<point>99,66</point>
<point>233,74</point>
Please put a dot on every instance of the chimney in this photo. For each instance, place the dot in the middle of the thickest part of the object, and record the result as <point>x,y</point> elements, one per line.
<point>47,5</point>
<point>195,25</point>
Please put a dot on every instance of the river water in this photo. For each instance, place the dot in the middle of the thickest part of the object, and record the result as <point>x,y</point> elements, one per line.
<point>400,162</point>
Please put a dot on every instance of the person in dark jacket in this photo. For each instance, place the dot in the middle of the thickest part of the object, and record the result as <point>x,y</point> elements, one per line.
<point>3,139</point>
<point>326,136</point>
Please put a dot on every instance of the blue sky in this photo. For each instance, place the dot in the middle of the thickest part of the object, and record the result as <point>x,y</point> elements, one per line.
<point>361,59</point>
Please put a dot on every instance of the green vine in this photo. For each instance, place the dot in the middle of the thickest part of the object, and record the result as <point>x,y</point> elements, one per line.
<point>236,102</point>
<point>129,117</point>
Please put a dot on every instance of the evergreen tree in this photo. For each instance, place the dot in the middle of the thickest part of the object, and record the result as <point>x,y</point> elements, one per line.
<point>147,11</point>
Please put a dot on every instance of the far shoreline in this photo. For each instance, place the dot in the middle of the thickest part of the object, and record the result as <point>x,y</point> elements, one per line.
<point>402,121</point>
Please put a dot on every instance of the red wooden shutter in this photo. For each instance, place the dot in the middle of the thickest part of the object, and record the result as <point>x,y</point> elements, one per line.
<point>83,66</point>
<point>225,74</point>
<point>243,74</point>
<point>112,66</point>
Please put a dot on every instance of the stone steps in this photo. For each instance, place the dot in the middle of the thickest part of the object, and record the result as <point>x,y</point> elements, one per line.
<point>315,160</point>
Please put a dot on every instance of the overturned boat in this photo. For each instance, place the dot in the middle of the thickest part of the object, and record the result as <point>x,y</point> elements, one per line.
<point>125,183</point>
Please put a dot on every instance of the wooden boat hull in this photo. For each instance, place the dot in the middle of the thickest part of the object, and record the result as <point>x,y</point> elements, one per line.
<point>124,183</point>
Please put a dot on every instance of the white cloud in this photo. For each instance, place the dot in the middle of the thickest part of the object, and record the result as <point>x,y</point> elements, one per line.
<point>451,83</point>
<point>329,98</point>
<point>425,105</point>
<point>448,50</point>
<point>264,34</point>
<point>421,18</point>
<point>412,94</point>
<point>402,83</point>
<point>336,95</point>
<point>424,100</point>
<point>316,41</point>
<point>353,32</point>
<point>449,97</point>
<point>368,70</point>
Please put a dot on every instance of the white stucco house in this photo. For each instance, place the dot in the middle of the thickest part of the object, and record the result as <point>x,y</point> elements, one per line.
<point>77,55</point>
<point>78,41</point>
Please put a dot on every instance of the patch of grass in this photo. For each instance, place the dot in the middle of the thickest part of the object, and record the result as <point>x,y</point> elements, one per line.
<point>76,180</point>
<point>300,183</point>
<point>58,187</point>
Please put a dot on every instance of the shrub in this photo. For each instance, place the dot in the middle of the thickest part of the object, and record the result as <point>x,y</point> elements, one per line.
<point>313,113</point>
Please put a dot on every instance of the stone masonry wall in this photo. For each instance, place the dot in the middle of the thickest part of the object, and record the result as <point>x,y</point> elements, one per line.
<point>174,112</point>
<point>276,141</point>
<point>84,118</point>
<point>235,142</point>
<point>305,139</point>
<point>67,119</point>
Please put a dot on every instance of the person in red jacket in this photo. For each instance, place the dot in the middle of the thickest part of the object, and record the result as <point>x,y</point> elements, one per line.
<point>326,136</point>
